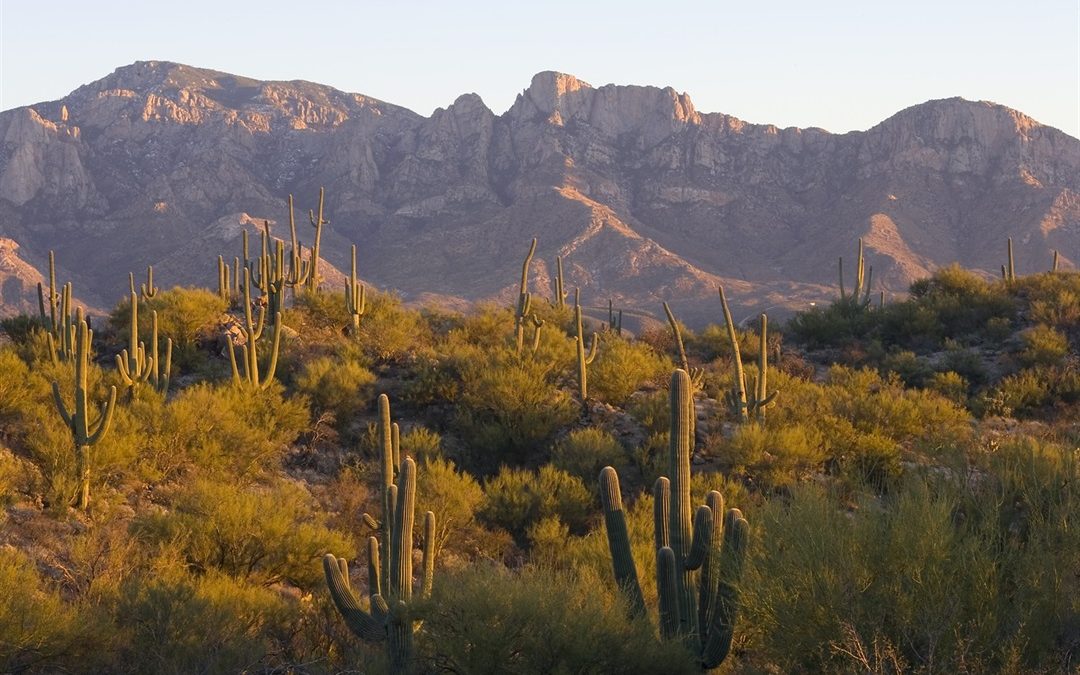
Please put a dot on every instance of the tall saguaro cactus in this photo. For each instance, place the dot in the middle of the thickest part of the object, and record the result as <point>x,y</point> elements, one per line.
<point>560,288</point>
<point>860,294</point>
<point>699,559</point>
<point>355,297</point>
<point>742,402</point>
<point>524,303</point>
<point>85,433</point>
<point>584,359</point>
<point>317,222</point>
<point>388,618</point>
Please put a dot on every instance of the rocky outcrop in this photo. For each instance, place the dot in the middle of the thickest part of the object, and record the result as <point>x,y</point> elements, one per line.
<point>645,197</point>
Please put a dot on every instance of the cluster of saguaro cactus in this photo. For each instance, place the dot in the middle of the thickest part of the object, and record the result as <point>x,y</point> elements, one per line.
<point>59,325</point>
<point>741,402</point>
<point>388,618</point>
<point>583,358</point>
<point>300,271</point>
<point>229,279</point>
<point>860,294</point>
<point>524,303</point>
<point>699,560</point>
<point>135,365</point>
<point>355,297</point>
<point>84,432</point>
<point>253,330</point>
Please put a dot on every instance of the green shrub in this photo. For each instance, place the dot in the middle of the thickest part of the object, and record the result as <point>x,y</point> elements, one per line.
<point>516,500</point>
<point>622,367</point>
<point>585,451</point>
<point>262,534</point>
<point>951,385</point>
<point>341,386</point>
<point>1043,346</point>
<point>389,331</point>
<point>184,314</point>
<point>774,456</point>
<point>486,620</point>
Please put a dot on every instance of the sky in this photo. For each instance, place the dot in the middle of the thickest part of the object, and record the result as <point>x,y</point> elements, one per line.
<point>837,64</point>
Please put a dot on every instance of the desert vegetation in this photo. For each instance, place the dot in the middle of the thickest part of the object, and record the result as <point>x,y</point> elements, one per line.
<point>283,477</point>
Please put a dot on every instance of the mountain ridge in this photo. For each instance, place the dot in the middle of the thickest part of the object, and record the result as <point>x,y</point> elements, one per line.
<point>647,198</point>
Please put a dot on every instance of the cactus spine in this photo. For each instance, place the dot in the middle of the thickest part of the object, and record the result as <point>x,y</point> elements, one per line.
<point>355,296</point>
<point>699,561</point>
<point>524,303</point>
<point>390,577</point>
<point>317,222</point>
<point>77,419</point>
<point>583,359</point>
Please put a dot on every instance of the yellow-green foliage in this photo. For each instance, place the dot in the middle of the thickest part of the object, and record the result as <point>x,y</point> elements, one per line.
<point>508,409</point>
<point>455,498</point>
<point>585,451</point>
<point>341,386</point>
<point>209,428</point>
<point>207,624</point>
<point>264,534</point>
<point>517,499</point>
<point>38,630</point>
<point>390,331</point>
<point>775,455</point>
<point>1043,346</point>
<point>622,367</point>
<point>489,620</point>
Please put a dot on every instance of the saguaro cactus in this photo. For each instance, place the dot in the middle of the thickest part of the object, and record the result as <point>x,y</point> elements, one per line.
<point>317,222</point>
<point>740,402</point>
<point>1009,273</point>
<point>249,374</point>
<point>77,419</point>
<point>560,288</point>
<point>524,303</point>
<point>696,374</point>
<point>388,618</point>
<point>860,294</point>
<point>583,359</point>
<point>699,561</point>
<point>355,297</point>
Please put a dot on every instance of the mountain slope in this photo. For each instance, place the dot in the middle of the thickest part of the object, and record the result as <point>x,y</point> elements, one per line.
<point>645,197</point>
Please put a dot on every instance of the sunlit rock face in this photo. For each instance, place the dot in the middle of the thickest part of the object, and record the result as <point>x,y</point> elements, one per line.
<point>646,198</point>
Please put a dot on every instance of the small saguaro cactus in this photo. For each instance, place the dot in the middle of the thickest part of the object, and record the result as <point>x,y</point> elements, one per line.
<point>388,618</point>
<point>355,297</point>
<point>614,318</point>
<point>560,288</point>
<point>317,222</point>
<point>84,432</point>
<point>739,400</point>
<point>583,359</point>
<point>1008,273</point>
<point>524,303</point>
<point>1054,265</point>
<point>49,319</point>
<point>860,294</point>
<point>699,559</point>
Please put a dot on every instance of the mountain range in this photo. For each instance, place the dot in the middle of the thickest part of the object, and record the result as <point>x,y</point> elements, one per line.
<point>645,198</point>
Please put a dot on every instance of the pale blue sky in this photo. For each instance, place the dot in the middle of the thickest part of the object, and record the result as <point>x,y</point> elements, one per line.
<point>837,64</point>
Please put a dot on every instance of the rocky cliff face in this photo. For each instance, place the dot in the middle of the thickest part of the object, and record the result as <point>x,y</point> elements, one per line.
<point>645,198</point>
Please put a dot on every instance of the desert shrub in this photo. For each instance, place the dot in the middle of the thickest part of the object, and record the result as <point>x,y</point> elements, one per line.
<point>210,428</point>
<point>1043,346</point>
<point>261,534</point>
<point>508,410</point>
<point>38,630</point>
<point>652,410</point>
<point>585,451</point>
<point>340,386</point>
<point>773,455</point>
<point>455,498</point>
<point>951,385</point>
<point>210,624</point>
<point>20,328</point>
<point>388,330</point>
<point>517,499</point>
<point>422,444</point>
<point>914,371</point>
<point>621,367</point>
<point>184,314</point>
<point>487,619</point>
